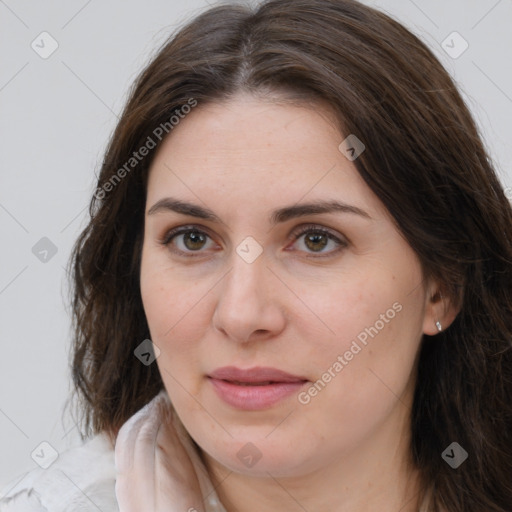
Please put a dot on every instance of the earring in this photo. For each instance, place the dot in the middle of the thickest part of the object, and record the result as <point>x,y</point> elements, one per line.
<point>438,325</point>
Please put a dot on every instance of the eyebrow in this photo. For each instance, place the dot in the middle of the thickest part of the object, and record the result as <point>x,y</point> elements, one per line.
<point>277,216</point>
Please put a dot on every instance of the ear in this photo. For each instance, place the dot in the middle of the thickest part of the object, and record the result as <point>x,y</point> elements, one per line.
<point>439,307</point>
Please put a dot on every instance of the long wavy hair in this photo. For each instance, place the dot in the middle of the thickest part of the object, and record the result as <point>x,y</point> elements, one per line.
<point>424,159</point>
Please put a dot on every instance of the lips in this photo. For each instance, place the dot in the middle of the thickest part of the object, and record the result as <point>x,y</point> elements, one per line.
<point>266,383</point>
<point>254,388</point>
<point>257,375</point>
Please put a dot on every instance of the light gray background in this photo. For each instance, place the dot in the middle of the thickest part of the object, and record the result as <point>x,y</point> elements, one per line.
<point>56,116</point>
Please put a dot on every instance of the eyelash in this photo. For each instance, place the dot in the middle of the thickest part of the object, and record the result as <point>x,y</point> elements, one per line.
<point>311,228</point>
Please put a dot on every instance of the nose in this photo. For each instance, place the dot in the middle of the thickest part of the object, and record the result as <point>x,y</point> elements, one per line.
<point>249,305</point>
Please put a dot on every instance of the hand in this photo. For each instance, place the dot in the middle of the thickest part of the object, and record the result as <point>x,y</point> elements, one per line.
<point>154,471</point>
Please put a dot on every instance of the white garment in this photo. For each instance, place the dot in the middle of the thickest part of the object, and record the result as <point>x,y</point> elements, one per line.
<point>83,478</point>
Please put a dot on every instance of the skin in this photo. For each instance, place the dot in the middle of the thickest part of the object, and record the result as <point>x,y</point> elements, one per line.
<point>292,308</point>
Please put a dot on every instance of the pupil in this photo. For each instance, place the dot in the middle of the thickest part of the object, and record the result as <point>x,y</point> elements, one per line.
<point>196,238</point>
<point>314,239</point>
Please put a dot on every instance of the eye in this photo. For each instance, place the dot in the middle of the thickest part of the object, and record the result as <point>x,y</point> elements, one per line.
<point>318,238</point>
<point>188,240</point>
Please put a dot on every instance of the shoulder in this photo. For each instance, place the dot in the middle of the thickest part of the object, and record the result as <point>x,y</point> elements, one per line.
<point>81,479</point>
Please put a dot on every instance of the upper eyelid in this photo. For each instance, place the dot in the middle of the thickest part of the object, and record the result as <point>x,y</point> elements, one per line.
<point>297,229</point>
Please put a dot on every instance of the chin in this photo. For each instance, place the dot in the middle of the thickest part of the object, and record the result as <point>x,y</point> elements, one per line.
<point>259,456</point>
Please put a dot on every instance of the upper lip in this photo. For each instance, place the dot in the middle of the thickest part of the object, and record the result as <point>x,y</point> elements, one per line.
<point>255,374</point>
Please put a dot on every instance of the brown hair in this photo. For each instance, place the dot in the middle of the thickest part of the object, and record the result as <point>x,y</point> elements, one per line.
<point>424,159</point>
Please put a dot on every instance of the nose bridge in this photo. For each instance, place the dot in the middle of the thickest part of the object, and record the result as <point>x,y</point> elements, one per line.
<point>244,304</point>
<point>246,281</point>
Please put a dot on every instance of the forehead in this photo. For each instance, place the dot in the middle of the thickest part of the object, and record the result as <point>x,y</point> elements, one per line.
<point>247,149</point>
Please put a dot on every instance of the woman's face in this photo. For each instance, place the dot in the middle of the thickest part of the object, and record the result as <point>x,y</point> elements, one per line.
<point>288,333</point>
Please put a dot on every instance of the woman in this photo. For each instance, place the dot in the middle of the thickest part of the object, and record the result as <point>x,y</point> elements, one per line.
<point>294,292</point>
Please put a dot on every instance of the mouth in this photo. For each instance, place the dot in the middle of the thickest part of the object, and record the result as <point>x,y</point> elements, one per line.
<point>258,375</point>
<point>238,383</point>
<point>254,388</point>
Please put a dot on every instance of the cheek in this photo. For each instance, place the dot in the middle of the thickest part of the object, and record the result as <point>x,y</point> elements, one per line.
<point>364,370</point>
<point>171,321</point>
<point>356,307</point>
<point>373,319</point>
<point>176,309</point>
<point>172,301</point>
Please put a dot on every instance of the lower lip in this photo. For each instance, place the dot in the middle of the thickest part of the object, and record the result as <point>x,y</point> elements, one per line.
<point>253,398</point>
